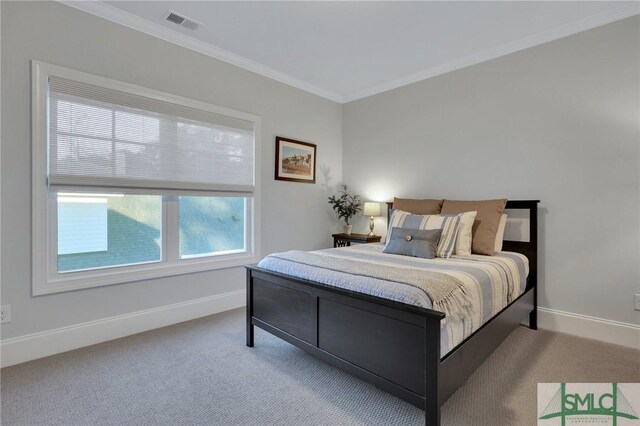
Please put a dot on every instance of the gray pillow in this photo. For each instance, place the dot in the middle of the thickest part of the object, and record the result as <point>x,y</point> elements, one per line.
<point>413,242</point>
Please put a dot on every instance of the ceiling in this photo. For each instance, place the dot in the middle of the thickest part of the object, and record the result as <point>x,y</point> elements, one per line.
<point>348,50</point>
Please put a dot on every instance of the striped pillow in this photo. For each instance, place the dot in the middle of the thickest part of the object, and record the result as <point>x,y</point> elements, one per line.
<point>448,223</point>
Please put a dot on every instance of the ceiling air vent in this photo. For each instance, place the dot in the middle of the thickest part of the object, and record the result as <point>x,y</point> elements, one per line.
<point>181,20</point>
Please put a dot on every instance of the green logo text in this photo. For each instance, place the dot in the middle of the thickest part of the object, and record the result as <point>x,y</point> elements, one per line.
<point>612,404</point>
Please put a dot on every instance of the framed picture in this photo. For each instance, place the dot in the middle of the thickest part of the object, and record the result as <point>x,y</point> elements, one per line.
<point>295,160</point>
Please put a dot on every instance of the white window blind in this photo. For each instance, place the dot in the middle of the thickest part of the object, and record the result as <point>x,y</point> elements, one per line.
<point>104,138</point>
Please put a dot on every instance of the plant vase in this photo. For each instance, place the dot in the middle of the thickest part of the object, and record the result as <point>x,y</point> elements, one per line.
<point>345,206</point>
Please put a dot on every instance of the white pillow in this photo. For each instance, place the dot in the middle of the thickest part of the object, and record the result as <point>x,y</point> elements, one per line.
<point>500,234</point>
<point>465,233</point>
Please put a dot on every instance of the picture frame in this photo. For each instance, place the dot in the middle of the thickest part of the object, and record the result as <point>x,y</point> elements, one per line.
<point>295,160</point>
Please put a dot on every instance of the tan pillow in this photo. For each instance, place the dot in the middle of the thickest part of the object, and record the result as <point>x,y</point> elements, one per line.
<point>417,206</point>
<point>486,224</point>
<point>500,234</point>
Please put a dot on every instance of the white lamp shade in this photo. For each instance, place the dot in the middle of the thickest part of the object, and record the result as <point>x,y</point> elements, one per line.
<point>371,209</point>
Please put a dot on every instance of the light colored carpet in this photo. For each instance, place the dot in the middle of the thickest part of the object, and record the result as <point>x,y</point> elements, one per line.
<point>201,372</point>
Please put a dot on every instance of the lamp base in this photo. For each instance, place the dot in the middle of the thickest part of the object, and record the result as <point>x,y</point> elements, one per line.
<point>371,234</point>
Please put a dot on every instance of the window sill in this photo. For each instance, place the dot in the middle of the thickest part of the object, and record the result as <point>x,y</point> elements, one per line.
<point>98,278</point>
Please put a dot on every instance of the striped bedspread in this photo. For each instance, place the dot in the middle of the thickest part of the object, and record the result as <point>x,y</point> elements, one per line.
<point>489,282</point>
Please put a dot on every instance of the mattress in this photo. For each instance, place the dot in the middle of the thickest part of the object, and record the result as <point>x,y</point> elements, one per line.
<point>489,283</point>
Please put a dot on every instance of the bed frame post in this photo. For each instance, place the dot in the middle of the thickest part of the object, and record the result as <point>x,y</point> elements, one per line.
<point>533,316</point>
<point>431,370</point>
<point>529,249</point>
<point>533,238</point>
<point>249,309</point>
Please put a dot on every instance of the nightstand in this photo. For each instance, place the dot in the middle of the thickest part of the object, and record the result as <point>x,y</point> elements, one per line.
<point>345,240</point>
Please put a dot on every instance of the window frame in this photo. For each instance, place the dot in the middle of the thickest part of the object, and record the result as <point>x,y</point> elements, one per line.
<point>45,278</point>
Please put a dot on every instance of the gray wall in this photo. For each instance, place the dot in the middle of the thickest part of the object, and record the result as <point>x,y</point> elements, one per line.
<point>293,215</point>
<point>558,122</point>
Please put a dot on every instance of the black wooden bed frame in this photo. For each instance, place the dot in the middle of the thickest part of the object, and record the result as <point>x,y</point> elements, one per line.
<point>393,345</point>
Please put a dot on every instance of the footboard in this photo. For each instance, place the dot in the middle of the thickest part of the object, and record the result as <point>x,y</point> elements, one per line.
<point>392,345</point>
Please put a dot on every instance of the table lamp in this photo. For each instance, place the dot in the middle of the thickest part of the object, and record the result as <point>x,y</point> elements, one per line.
<point>371,209</point>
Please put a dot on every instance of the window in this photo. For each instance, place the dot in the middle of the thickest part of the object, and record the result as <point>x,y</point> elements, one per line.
<point>82,224</point>
<point>131,183</point>
<point>119,230</point>
<point>211,225</point>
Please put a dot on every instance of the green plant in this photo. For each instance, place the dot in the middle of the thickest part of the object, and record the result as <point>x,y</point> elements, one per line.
<point>345,205</point>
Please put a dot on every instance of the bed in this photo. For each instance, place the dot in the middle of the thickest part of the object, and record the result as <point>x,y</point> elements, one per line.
<point>403,346</point>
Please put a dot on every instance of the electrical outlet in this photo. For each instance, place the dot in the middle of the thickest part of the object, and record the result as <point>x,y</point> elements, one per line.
<point>5,314</point>
<point>637,308</point>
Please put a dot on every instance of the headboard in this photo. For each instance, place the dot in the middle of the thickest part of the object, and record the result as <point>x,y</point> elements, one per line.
<point>528,248</point>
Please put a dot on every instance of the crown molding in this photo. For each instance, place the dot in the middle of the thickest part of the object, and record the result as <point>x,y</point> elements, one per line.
<point>127,19</point>
<point>132,21</point>
<point>587,23</point>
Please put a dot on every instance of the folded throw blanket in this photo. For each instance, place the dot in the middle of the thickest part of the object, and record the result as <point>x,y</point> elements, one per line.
<point>447,293</point>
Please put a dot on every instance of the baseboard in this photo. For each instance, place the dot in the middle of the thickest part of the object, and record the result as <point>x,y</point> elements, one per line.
<point>605,330</point>
<point>38,345</point>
